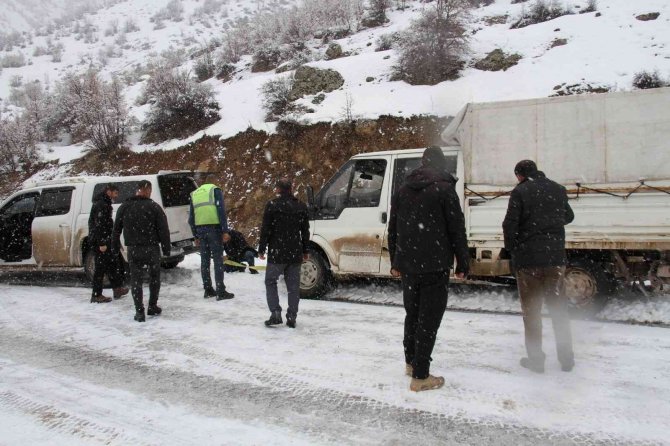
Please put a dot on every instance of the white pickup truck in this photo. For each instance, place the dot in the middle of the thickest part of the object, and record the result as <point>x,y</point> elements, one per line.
<point>45,224</point>
<point>611,151</point>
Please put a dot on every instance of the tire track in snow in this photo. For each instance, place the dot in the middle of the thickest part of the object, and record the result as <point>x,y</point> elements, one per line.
<point>279,398</point>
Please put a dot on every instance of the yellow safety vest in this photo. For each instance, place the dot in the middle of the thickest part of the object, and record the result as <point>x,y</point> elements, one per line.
<point>204,205</point>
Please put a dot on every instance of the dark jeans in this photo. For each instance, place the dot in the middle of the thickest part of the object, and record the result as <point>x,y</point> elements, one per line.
<point>291,272</point>
<point>140,257</point>
<point>211,248</point>
<point>538,285</point>
<point>108,262</point>
<point>425,299</point>
<point>249,257</point>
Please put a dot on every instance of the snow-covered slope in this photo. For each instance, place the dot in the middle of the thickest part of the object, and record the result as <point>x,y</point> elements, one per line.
<point>605,48</point>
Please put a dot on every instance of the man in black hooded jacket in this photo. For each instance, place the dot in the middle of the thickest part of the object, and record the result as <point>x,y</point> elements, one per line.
<point>534,232</point>
<point>145,230</point>
<point>107,260</point>
<point>426,230</point>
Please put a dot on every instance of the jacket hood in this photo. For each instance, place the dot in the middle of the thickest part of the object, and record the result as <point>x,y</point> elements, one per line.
<point>425,176</point>
<point>102,196</point>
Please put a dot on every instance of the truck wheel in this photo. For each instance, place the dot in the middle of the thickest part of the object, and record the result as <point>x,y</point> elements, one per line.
<point>89,265</point>
<point>587,285</point>
<point>314,275</point>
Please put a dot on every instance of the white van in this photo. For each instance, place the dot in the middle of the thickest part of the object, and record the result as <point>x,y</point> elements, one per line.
<point>45,224</point>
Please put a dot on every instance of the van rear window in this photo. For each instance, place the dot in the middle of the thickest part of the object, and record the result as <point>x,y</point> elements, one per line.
<point>176,189</point>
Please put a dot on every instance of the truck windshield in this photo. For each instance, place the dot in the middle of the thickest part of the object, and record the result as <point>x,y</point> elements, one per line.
<point>176,189</point>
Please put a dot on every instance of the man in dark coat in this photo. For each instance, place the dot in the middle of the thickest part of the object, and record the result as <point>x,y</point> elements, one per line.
<point>534,233</point>
<point>285,234</point>
<point>145,231</point>
<point>107,260</point>
<point>426,230</point>
<point>238,250</point>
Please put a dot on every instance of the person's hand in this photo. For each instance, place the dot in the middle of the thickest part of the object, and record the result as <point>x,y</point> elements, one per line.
<point>261,256</point>
<point>225,258</point>
<point>305,257</point>
<point>226,237</point>
<point>197,243</point>
<point>395,272</point>
<point>103,248</point>
<point>460,276</point>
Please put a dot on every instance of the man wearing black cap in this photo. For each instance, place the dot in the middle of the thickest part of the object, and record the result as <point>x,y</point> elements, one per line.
<point>285,234</point>
<point>534,233</point>
<point>426,230</point>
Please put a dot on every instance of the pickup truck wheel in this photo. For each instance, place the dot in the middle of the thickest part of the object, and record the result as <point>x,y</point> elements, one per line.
<point>587,285</point>
<point>89,265</point>
<point>314,275</point>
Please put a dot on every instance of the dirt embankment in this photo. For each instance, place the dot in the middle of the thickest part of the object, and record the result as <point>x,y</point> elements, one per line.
<point>247,164</point>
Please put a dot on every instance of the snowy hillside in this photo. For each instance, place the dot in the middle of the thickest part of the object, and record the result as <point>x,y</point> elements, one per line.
<point>603,49</point>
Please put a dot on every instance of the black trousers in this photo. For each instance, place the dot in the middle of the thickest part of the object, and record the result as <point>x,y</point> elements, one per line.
<point>108,262</point>
<point>425,299</point>
<point>140,257</point>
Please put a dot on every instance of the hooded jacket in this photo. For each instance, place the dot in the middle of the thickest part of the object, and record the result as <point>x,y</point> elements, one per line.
<point>426,225</point>
<point>534,230</point>
<point>143,223</point>
<point>237,246</point>
<point>100,221</point>
<point>285,230</point>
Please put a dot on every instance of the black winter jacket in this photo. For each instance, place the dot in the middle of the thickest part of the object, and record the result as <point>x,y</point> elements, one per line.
<point>100,222</point>
<point>285,230</point>
<point>143,223</point>
<point>534,230</point>
<point>426,225</point>
<point>237,245</point>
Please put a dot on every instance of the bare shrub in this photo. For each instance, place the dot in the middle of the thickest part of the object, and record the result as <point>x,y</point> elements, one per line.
<point>646,79</point>
<point>173,11</point>
<point>277,98</point>
<point>94,110</point>
<point>204,66</point>
<point>179,106</point>
<point>434,47</point>
<point>130,26</point>
<point>540,11</point>
<point>17,144</point>
<point>15,60</point>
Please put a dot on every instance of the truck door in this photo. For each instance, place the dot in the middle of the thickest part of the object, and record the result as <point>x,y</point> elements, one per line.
<point>403,165</point>
<point>52,227</point>
<point>16,219</point>
<point>352,214</point>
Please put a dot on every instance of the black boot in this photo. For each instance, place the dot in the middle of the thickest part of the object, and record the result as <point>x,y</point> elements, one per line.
<point>139,315</point>
<point>154,310</point>
<point>290,320</point>
<point>275,319</point>
<point>210,292</point>
<point>225,295</point>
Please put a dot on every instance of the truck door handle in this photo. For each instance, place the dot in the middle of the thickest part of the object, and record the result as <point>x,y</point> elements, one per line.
<point>63,225</point>
<point>384,217</point>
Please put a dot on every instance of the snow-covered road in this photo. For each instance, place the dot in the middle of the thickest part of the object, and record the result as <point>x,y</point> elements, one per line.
<point>208,372</point>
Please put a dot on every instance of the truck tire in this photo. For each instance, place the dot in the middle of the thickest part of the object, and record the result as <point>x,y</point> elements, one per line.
<point>314,275</point>
<point>587,285</point>
<point>89,265</point>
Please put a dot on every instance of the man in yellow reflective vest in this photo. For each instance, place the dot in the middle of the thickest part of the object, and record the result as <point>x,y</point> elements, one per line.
<point>207,218</point>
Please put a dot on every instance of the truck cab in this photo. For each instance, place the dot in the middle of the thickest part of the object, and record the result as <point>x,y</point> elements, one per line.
<point>349,216</point>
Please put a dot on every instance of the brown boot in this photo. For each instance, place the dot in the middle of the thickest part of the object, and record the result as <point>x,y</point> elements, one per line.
<point>409,369</point>
<point>120,292</point>
<point>430,383</point>
<point>100,299</point>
